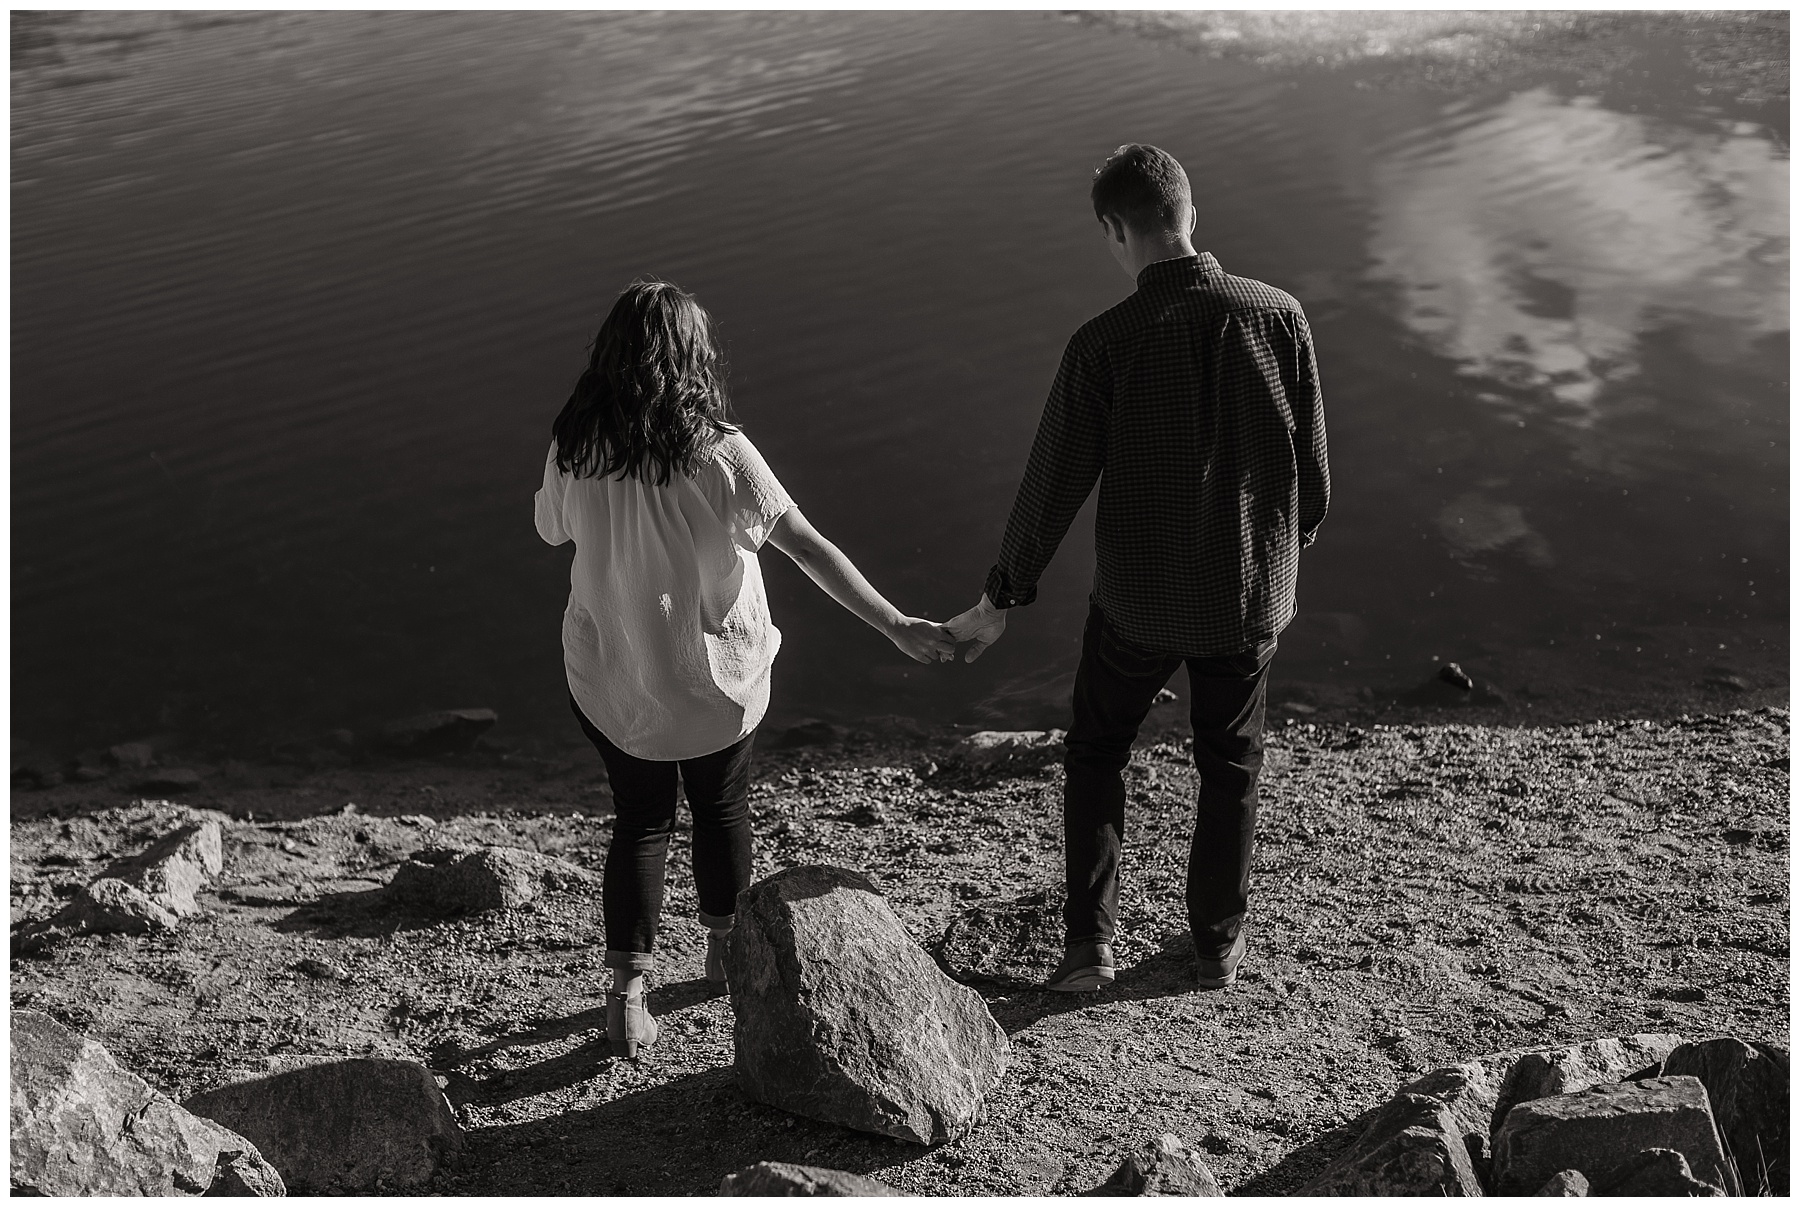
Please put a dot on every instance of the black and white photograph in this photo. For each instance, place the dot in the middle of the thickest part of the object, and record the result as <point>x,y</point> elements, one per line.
<point>945,602</point>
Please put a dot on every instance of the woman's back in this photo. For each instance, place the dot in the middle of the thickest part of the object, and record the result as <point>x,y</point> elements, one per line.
<point>667,636</point>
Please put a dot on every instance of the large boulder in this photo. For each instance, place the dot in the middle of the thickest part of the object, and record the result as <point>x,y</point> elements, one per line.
<point>1594,1130</point>
<point>342,1126</point>
<point>143,894</point>
<point>1413,1146</point>
<point>81,1125</point>
<point>454,882</point>
<point>778,1179</point>
<point>447,732</point>
<point>1549,1072</point>
<point>842,1017</point>
<point>1166,1167</point>
<point>1566,1184</point>
<point>1748,1088</point>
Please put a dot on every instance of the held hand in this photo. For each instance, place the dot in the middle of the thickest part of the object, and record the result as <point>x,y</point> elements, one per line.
<point>981,624</point>
<point>921,640</point>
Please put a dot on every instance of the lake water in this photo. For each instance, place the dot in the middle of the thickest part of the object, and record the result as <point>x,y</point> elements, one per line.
<point>296,296</point>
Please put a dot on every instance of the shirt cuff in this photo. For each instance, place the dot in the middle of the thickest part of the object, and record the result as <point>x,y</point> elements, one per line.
<point>1001,594</point>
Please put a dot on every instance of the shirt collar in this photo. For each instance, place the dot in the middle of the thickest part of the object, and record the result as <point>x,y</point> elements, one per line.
<point>1179,268</point>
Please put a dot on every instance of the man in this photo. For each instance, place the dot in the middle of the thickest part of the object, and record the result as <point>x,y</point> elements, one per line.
<point>1196,405</point>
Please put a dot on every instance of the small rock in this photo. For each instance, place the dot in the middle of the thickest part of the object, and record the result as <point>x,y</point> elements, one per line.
<point>169,779</point>
<point>133,754</point>
<point>1569,1184</point>
<point>1301,707</point>
<point>841,1017</point>
<point>1656,1173</point>
<point>1164,696</point>
<point>1747,1086</point>
<point>81,1125</point>
<point>449,732</point>
<point>1018,941</point>
<point>324,970</point>
<point>1587,1130</point>
<point>1455,676</point>
<point>1165,1166</point>
<point>420,820</point>
<point>454,882</point>
<point>1726,682</point>
<point>342,1126</point>
<point>148,892</point>
<point>778,1179</point>
<point>993,746</point>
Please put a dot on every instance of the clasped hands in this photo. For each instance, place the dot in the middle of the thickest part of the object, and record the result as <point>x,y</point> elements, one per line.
<point>927,641</point>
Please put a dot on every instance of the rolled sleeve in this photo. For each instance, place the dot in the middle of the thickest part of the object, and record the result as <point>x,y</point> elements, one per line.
<point>548,503</point>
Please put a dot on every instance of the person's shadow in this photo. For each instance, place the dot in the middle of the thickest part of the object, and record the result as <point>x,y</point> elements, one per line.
<point>559,1072</point>
<point>1017,1003</point>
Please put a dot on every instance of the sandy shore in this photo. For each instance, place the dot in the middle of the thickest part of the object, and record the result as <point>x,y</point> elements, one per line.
<point>1424,892</point>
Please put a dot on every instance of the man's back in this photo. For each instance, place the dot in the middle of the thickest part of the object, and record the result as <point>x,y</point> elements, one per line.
<point>1197,404</point>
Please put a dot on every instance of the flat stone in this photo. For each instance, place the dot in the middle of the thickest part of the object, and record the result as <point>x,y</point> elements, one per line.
<point>1165,1166</point>
<point>1014,942</point>
<point>1413,1146</point>
<point>842,1017</point>
<point>82,1125</point>
<point>1748,1088</point>
<point>1568,1184</point>
<point>1656,1173</point>
<point>448,732</point>
<point>342,1126</point>
<point>449,881</point>
<point>778,1179</point>
<point>1587,1131</point>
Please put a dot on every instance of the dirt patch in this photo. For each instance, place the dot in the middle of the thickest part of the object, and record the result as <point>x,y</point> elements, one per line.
<point>1423,893</point>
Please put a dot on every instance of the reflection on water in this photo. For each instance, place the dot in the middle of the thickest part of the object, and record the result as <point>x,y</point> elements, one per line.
<point>297,294</point>
<point>1538,240</point>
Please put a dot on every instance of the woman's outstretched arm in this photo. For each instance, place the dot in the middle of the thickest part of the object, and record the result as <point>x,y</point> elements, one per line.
<point>838,577</point>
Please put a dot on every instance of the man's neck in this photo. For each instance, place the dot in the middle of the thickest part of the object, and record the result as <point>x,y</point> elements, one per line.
<point>1154,251</point>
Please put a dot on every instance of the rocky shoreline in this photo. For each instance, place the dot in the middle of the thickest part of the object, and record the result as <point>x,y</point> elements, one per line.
<point>1425,893</point>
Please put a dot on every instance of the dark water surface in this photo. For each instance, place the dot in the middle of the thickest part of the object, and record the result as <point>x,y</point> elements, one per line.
<point>296,295</point>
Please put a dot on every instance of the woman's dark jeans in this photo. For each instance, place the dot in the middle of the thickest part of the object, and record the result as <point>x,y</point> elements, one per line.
<point>1115,686</point>
<point>718,794</point>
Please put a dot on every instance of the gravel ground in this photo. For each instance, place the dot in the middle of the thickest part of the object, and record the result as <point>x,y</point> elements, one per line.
<point>1423,893</point>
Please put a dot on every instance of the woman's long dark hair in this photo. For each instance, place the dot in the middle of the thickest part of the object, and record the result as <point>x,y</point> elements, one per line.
<point>652,399</point>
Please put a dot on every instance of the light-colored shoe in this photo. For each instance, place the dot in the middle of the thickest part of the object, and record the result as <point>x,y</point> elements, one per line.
<point>628,1024</point>
<point>1220,973</point>
<point>1085,968</point>
<point>717,942</point>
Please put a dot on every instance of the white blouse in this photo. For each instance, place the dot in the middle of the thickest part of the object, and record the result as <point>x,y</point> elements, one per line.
<point>667,637</point>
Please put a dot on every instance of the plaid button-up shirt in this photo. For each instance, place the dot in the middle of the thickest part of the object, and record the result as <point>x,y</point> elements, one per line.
<point>1196,404</point>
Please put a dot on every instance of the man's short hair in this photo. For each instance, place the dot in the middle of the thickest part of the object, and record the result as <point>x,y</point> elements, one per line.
<point>1142,186</point>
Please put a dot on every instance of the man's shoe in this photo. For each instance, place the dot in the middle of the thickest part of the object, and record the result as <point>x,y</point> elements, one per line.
<point>1085,968</point>
<point>1217,974</point>
<point>628,1024</point>
<point>717,942</point>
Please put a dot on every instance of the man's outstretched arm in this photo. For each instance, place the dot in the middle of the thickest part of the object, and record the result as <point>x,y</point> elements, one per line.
<point>1065,462</point>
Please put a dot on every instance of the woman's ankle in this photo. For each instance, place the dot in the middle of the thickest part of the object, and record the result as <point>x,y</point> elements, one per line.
<point>627,981</point>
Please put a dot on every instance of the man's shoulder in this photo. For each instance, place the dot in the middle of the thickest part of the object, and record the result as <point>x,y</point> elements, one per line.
<point>1247,293</point>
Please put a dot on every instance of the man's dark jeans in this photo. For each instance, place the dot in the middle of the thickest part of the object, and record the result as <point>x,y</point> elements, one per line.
<point>718,795</point>
<point>1114,688</point>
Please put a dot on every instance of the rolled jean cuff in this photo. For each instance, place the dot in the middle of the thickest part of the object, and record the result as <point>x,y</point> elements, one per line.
<point>630,961</point>
<point>717,921</point>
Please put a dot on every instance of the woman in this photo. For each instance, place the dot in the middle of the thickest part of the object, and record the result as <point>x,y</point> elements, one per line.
<point>667,638</point>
